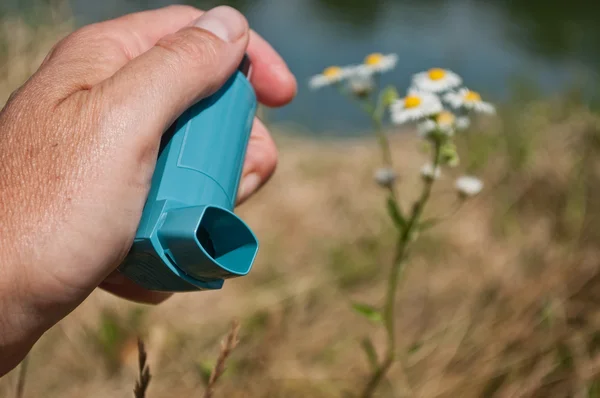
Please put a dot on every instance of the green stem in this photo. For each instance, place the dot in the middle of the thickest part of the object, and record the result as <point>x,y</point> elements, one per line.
<point>384,144</point>
<point>402,247</point>
<point>377,116</point>
<point>376,111</point>
<point>374,107</point>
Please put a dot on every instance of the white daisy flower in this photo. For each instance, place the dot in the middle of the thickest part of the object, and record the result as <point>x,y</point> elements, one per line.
<point>385,177</point>
<point>429,174</point>
<point>416,105</point>
<point>361,82</point>
<point>380,63</point>
<point>331,75</point>
<point>436,80</point>
<point>443,122</point>
<point>470,100</point>
<point>463,123</point>
<point>468,186</point>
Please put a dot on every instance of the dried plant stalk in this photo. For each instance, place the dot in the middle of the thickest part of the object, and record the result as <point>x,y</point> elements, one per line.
<point>20,390</point>
<point>227,346</point>
<point>141,385</point>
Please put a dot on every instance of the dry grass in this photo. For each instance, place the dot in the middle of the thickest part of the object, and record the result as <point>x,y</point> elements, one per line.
<point>500,301</point>
<point>144,377</point>
<point>227,347</point>
<point>21,379</point>
<point>499,298</point>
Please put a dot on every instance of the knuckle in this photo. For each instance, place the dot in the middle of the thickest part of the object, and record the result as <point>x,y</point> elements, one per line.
<point>90,31</point>
<point>88,37</point>
<point>13,95</point>
<point>80,36</point>
<point>193,46</point>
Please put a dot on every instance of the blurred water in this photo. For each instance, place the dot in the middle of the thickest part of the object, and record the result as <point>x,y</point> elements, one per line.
<point>488,42</point>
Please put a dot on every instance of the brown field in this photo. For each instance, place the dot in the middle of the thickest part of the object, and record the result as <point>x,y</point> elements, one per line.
<point>499,301</point>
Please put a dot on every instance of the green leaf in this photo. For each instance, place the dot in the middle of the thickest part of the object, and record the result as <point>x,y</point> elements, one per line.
<point>369,349</point>
<point>593,389</point>
<point>428,224</point>
<point>547,314</point>
<point>416,346</point>
<point>369,312</point>
<point>564,356</point>
<point>396,214</point>
<point>205,369</point>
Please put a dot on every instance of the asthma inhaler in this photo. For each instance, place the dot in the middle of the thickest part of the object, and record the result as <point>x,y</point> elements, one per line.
<point>189,238</point>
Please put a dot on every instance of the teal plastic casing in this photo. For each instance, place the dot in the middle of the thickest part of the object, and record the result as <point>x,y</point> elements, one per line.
<point>189,238</point>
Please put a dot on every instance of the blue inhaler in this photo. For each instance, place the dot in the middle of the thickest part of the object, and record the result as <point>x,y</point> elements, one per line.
<point>188,237</point>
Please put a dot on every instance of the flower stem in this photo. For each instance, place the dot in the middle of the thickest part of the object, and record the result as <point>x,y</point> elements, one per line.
<point>402,247</point>
<point>378,111</point>
<point>374,106</point>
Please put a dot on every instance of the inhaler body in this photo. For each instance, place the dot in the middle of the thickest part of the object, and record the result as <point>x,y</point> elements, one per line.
<point>189,238</point>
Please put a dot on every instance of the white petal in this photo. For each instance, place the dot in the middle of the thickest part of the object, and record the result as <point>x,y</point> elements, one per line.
<point>407,115</point>
<point>387,63</point>
<point>423,82</point>
<point>463,123</point>
<point>484,107</point>
<point>454,99</point>
<point>318,81</point>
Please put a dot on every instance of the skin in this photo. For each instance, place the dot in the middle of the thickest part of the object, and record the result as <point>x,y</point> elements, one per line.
<point>78,145</point>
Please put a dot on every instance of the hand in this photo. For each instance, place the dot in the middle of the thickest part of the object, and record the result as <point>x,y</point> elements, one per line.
<point>78,144</point>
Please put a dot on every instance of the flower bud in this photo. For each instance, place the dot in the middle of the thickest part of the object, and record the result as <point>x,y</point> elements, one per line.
<point>429,174</point>
<point>449,154</point>
<point>468,186</point>
<point>385,177</point>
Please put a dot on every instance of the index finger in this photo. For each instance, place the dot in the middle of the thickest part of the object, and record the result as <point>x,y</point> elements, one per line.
<point>274,83</point>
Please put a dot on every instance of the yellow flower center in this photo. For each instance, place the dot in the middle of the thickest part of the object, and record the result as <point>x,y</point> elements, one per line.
<point>436,74</point>
<point>332,71</point>
<point>472,96</point>
<point>445,118</point>
<point>412,101</point>
<point>374,59</point>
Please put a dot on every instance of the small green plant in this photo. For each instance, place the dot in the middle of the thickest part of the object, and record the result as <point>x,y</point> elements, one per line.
<point>115,332</point>
<point>439,106</point>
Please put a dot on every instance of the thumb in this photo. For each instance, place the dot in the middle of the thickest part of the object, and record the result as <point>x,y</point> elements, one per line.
<point>181,69</point>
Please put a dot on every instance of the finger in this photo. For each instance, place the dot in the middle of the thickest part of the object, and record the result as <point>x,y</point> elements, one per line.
<point>179,70</point>
<point>94,53</point>
<point>119,285</point>
<point>275,85</point>
<point>260,162</point>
